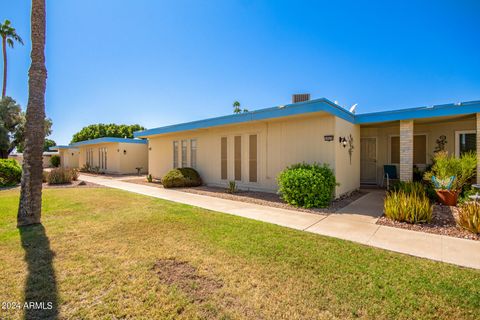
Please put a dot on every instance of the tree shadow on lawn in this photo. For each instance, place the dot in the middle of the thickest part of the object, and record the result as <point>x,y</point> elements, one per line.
<point>41,298</point>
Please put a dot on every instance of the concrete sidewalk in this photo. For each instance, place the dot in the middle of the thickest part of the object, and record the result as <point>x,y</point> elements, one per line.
<point>355,222</point>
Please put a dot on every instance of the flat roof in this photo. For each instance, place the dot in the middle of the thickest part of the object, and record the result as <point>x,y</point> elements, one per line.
<point>451,109</point>
<point>107,140</point>
<point>310,106</point>
<point>61,147</point>
<point>317,105</point>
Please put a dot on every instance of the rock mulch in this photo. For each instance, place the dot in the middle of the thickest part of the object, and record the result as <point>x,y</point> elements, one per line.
<point>443,223</point>
<point>74,184</point>
<point>256,197</point>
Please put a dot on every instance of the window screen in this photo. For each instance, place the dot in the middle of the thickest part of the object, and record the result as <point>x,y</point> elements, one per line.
<point>223,158</point>
<point>252,157</point>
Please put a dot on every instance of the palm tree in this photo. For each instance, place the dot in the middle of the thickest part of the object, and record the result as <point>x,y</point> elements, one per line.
<point>8,35</point>
<point>236,107</point>
<point>30,207</point>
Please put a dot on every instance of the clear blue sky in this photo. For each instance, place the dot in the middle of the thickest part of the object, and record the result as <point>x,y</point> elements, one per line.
<point>162,62</point>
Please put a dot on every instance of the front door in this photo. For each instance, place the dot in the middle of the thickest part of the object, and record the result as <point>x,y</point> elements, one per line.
<point>368,160</point>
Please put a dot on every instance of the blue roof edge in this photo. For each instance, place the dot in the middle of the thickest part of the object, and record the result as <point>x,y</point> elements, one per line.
<point>442,110</point>
<point>310,106</point>
<point>317,105</point>
<point>107,140</point>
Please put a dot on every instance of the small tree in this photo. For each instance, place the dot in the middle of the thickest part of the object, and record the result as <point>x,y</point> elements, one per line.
<point>55,161</point>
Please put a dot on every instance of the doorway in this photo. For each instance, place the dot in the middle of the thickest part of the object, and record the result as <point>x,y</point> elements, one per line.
<point>368,160</point>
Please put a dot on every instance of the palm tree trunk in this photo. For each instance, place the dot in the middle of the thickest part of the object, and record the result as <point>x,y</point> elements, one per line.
<point>29,210</point>
<point>4,46</point>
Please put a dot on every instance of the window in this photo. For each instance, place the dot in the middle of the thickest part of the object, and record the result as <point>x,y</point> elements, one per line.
<point>238,157</point>
<point>252,158</point>
<point>175,154</point>
<point>465,141</point>
<point>184,153</point>
<point>90,157</point>
<point>223,158</point>
<point>419,149</point>
<point>193,153</point>
<point>102,158</point>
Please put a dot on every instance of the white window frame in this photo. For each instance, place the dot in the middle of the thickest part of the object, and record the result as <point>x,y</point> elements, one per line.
<point>457,140</point>
<point>415,134</point>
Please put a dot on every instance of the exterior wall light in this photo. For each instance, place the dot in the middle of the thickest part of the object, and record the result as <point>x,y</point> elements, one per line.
<point>343,141</point>
<point>124,151</point>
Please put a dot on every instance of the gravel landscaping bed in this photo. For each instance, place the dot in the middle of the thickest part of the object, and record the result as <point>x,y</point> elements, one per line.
<point>261,198</point>
<point>74,184</point>
<point>443,223</point>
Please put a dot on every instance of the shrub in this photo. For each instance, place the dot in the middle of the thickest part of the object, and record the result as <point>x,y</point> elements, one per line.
<point>444,167</point>
<point>10,172</point>
<point>469,216</point>
<point>60,176</point>
<point>75,174</point>
<point>181,177</point>
<point>232,187</point>
<point>307,185</point>
<point>45,176</point>
<point>408,203</point>
<point>55,161</point>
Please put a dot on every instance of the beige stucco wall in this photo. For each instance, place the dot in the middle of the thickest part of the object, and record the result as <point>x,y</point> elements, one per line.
<point>118,162</point>
<point>69,158</point>
<point>136,157</point>
<point>281,142</point>
<point>432,130</point>
<point>347,170</point>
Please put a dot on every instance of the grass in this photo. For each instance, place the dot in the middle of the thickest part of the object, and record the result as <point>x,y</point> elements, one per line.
<point>99,251</point>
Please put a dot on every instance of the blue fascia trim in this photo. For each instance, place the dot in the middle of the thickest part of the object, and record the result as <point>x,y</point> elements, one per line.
<point>257,115</point>
<point>56,148</point>
<point>451,109</point>
<point>107,140</point>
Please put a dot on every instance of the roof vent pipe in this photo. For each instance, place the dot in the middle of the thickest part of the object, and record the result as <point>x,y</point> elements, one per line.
<point>300,97</point>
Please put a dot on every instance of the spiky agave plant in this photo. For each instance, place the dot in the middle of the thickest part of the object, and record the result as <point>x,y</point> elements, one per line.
<point>413,207</point>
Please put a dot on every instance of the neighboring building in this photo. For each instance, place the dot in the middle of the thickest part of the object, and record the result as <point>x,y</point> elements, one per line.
<point>68,156</point>
<point>113,155</point>
<point>47,155</point>
<point>253,147</point>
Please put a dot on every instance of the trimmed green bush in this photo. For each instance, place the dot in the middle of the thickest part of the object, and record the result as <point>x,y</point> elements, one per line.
<point>307,185</point>
<point>181,177</point>
<point>55,161</point>
<point>10,172</point>
<point>408,203</point>
<point>60,176</point>
<point>469,216</point>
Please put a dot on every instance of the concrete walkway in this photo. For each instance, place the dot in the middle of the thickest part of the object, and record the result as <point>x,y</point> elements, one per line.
<point>355,222</point>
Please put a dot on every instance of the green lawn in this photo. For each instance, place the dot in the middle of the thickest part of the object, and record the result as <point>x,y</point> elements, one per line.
<point>101,254</point>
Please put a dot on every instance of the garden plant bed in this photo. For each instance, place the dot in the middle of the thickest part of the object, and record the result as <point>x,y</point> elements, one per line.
<point>73,184</point>
<point>257,197</point>
<point>443,223</point>
<point>271,199</point>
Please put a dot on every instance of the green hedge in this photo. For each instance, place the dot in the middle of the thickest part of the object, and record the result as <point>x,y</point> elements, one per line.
<point>55,161</point>
<point>307,185</point>
<point>182,177</point>
<point>10,172</point>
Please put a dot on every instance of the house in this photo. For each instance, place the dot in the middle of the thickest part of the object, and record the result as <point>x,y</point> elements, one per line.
<point>68,156</point>
<point>47,155</point>
<point>113,155</point>
<point>253,147</point>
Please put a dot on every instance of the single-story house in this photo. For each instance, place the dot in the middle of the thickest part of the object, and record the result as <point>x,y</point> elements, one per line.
<point>68,156</point>
<point>253,147</point>
<point>47,155</point>
<point>113,155</point>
